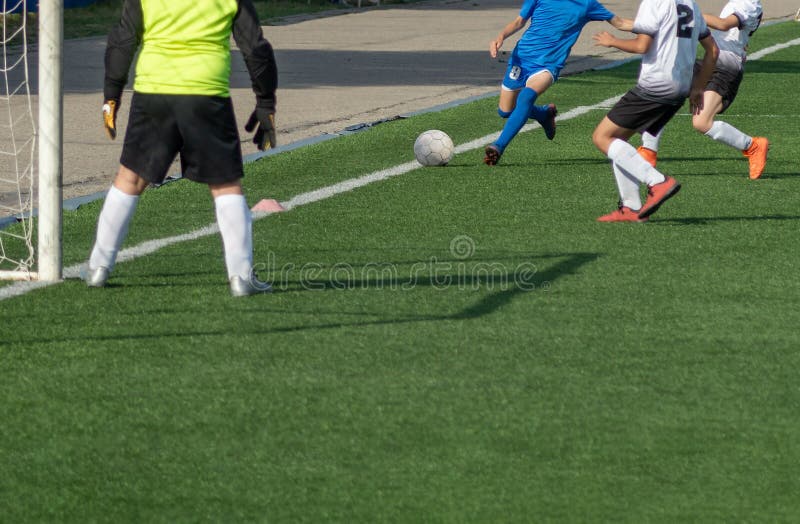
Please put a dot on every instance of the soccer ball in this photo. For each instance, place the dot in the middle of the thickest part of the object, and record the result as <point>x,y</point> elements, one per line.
<point>433,148</point>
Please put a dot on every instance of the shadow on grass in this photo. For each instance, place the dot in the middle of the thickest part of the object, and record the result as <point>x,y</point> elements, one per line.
<point>700,221</point>
<point>503,287</point>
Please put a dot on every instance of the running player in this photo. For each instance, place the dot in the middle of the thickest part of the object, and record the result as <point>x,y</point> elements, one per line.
<point>667,33</point>
<point>181,105</point>
<point>732,30</point>
<point>537,60</point>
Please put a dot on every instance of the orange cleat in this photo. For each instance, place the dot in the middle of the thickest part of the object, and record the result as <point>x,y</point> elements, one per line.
<point>657,195</point>
<point>623,214</point>
<point>648,154</point>
<point>492,155</point>
<point>757,156</point>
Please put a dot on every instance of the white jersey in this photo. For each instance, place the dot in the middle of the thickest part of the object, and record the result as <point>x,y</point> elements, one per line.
<point>667,67</point>
<point>733,43</point>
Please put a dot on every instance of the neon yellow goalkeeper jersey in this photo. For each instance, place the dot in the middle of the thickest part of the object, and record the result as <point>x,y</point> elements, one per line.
<point>185,47</point>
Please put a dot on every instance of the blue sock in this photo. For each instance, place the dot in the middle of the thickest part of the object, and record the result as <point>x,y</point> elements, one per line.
<point>503,114</point>
<point>518,117</point>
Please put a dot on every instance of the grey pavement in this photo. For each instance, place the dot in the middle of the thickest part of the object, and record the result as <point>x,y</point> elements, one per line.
<point>357,66</point>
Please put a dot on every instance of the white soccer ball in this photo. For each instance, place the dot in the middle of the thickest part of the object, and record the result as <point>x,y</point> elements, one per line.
<point>433,148</point>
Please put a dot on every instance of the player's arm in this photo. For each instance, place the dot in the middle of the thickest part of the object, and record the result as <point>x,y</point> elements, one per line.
<point>623,24</point>
<point>123,41</point>
<point>260,61</point>
<point>511,28</point>
<point>702,77</point>
<point>638,45</point>
<point>722,24</point>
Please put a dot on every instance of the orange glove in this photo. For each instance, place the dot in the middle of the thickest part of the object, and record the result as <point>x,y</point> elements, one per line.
<point>110,108</point>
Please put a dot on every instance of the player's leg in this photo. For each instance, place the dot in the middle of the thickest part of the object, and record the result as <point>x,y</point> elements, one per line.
<point>612,140</point>
<point>544,114</point>
<point>611,135</point>
<point>522,109</point>
<point>630,201</point>
<point>607,136</point>
<point>513,82</point>
<point>712,106</point>
<point>649,148</point>
<point>722,90</point>
<point>212,155</point>
<point>236,229</point>
<point>112,225</point>
<point>534,86</point>
<point>508,99</point>
<point>151,142</point>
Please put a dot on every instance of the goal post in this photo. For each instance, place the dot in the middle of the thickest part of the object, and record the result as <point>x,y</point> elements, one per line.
<point>50,138</point>
<point>21,256</point>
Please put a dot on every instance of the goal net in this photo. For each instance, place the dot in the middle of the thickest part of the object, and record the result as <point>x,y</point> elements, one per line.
<point>20,256</point>
<point>17,144</point>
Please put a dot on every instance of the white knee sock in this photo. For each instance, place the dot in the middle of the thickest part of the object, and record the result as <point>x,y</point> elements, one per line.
<point>628,186</point>
<point>236,228</point>
<point>112,227</point>
<point>622,153</point>
<point>651,141</point>
<point>729,135</point>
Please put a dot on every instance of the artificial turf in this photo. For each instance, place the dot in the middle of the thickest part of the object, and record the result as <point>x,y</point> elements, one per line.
<point>454,344</point>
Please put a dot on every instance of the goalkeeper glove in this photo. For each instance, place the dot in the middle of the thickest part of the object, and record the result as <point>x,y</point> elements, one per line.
<point>265,119</point>
<point>110,108</point>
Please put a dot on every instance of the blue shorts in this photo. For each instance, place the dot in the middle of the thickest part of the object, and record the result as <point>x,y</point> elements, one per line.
<point>518,73</point>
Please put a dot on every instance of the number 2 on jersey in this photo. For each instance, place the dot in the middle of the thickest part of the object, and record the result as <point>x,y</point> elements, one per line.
<point>685,19</point>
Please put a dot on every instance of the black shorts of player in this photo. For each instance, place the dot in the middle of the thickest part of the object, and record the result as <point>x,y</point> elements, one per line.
<point>202,129</point>
<point>632,111</point>
<point>724,82</point>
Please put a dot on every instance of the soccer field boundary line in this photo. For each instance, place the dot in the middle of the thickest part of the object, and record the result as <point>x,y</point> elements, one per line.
<point>771,49</point>
<point>350,184</point>
<point>150,246</point>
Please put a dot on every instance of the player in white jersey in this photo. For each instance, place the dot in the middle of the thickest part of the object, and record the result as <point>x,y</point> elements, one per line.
<point>667,33</point>
<point>732,29</point>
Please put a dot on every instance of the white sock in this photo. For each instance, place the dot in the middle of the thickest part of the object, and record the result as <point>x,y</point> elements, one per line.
<point>236,228</point>
<point>622,153</point>
<point>651,141</point>
<point>729,135</point>
<point>628,186</point>
<point>112,227</point>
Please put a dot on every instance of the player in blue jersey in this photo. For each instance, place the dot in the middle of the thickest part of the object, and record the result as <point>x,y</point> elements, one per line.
<point>537,60</point>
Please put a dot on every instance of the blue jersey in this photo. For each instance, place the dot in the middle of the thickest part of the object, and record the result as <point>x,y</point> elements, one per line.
<point>554,28</point>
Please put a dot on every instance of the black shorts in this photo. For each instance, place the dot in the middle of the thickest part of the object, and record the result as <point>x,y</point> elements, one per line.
<point>725,82</point>
<point>202,129</point>
<point>634,112</point>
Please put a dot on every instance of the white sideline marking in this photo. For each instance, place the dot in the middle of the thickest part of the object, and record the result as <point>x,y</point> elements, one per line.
<point>354,183</point>
<point>771,49</point>
<point>146,248</point>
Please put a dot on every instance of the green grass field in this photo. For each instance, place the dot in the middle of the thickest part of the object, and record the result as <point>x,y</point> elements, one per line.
<point>454,344</point>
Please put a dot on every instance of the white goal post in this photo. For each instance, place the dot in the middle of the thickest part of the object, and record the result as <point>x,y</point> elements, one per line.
<point>51,116</point>
<point>22,137</point>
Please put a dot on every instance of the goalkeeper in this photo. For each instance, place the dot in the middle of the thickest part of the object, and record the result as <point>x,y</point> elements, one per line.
<point>181,106</point>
